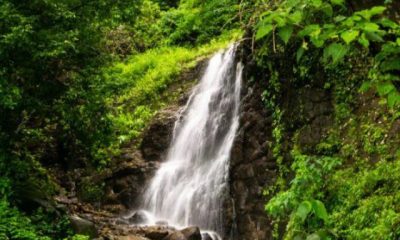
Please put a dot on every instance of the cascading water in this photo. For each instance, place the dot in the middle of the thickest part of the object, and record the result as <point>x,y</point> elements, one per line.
<point>189,187</point>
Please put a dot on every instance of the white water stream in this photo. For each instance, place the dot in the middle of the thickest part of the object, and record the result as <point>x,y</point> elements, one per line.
<point>189,187</point>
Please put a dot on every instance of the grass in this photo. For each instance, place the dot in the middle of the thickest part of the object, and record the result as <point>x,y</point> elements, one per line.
<point>140,83</point>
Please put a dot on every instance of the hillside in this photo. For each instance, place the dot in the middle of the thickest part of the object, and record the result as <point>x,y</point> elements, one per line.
<point>90,92</point>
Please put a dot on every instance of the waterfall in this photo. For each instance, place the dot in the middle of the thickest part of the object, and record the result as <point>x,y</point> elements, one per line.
<point>190,186</point>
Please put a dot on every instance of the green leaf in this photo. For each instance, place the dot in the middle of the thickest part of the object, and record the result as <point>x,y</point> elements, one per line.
<point>363,41</point>
<point>388,23</point>
<point>264,30</point>
<point>336,51</point>
<point>327,9</point>
<point>303,210</point>
<point>316,3</point>
<point>393,99</point>
<point>285,33</point>
<point>296,17</point>
<point>337,2</point>
<point>320,210</point>
<point>350,36</point>
<point>385,88</point>
<point>317,41</point>
<point>310,29</point>
<point>377,10</point>
<point>368,13</point>
<point>373,37</point>
<point>299,53</point>
<point>370,27</point>
<point>365,86</point>
<point>313,236</point>
<point>392,64</point>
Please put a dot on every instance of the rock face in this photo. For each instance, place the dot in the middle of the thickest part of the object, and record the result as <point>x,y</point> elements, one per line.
<point>252,168</point>
<point>307,110</point>
<point>158,136</point>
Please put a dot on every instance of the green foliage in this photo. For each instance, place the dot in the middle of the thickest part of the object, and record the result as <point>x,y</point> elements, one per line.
<point>72,92</point>
<point>327,26</point>
<point>40,226</point>
<point>197,21</point>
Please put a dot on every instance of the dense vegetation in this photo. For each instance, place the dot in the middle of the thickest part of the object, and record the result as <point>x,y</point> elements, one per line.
<point>78,79</point>
<point>345,186</point>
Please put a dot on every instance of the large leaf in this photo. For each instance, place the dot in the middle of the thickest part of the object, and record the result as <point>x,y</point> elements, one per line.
<point>303,210</point>
<point>299,53</point>
<point>388,23</point>
<point>296,17</point>
<point>317,41</point>
<point>327,9</point>
<point>316,3</point>
<point>263,30</point>
<point>350,36</point>
<point>320,210</point>
<point>373,37</point>
<point>337,2</point>
<point>392,64</point>
<point>377,10</point>
<point>363,40</point>
<point>370,27</point>
<point>385,88</point>
<point>314,29</point>
<point>393,99</point>
<point>365,86</point>
<point>335,51</point>
<point>285,33</point>
<point>368,13</point>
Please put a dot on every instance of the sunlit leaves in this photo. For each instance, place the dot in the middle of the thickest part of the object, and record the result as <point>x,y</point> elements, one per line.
<point>264,30</point>
<point>303,210</point>
<point>349,36</point>
<point>368,13</point>
<point>393,99</point>
<point>363,40</point>
<point>296,17</point>
<point>285,33</point>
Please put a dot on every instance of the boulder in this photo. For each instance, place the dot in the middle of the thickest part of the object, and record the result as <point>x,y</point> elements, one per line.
<point>155,233</point>
<point>83,226</point>
<point>175,236</point>
<point>138,217</point>
<point>191,233</point>
<point>206,236</point>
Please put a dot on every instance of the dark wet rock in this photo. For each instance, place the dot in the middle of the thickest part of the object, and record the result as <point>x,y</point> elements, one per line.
<point>138,217</point>
<point>83,226</point>
<point>157,137</point>
<point>157,234</point>
<point>129,238</point>
<point>191,233</point>
<point>206,236</point>
<point>175,236</point>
